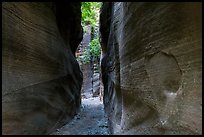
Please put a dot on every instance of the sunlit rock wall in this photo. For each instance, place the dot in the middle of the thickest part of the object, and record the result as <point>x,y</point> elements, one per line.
<point>152,67</point>
<point>41,79</point>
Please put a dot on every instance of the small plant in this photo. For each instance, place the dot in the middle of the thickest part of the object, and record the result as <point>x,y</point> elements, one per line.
<point>95,49</point>
<point>93,52</point>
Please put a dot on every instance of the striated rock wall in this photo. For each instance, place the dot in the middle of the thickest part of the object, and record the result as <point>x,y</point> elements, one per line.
<point>86,68</point>
<point>41,79</point>
<point>152,67</point>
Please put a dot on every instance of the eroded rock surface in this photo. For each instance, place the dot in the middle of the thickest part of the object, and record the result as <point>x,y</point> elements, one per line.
<point>41,79</point>
<point>152,67</point>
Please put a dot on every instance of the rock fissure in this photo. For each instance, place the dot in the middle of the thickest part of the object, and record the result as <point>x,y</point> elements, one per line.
<point>151,66</point>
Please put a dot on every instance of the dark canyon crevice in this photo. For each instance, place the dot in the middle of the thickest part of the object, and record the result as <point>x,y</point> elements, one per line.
<point>151,66</point>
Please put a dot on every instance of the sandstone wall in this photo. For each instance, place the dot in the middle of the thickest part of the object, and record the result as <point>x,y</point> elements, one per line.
<point>86,68</point>
<point>152,67</point>
<point>41,79</point>
<point>87,87</point>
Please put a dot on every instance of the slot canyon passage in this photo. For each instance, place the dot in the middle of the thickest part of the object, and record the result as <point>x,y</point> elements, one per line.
<point>150,69</point>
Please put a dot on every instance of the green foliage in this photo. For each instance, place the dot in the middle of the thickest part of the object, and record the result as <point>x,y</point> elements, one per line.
<point>90,15</point>
<point>93,52</point>
<point>95,49</point>
<point>90,12</point>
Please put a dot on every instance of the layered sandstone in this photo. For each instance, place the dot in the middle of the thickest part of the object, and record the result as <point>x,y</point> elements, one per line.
<point>152,67</point>
<point>41,79</point>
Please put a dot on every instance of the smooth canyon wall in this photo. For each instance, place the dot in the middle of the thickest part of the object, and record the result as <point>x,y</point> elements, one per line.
<point>41,79</point>
<point>152,67</point>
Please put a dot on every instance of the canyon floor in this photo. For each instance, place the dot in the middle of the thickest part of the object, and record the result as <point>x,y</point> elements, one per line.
<point>91,120</point>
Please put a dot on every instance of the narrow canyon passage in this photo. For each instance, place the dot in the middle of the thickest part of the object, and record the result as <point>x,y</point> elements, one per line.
<point>136,70</point>
<point>91,119</point>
